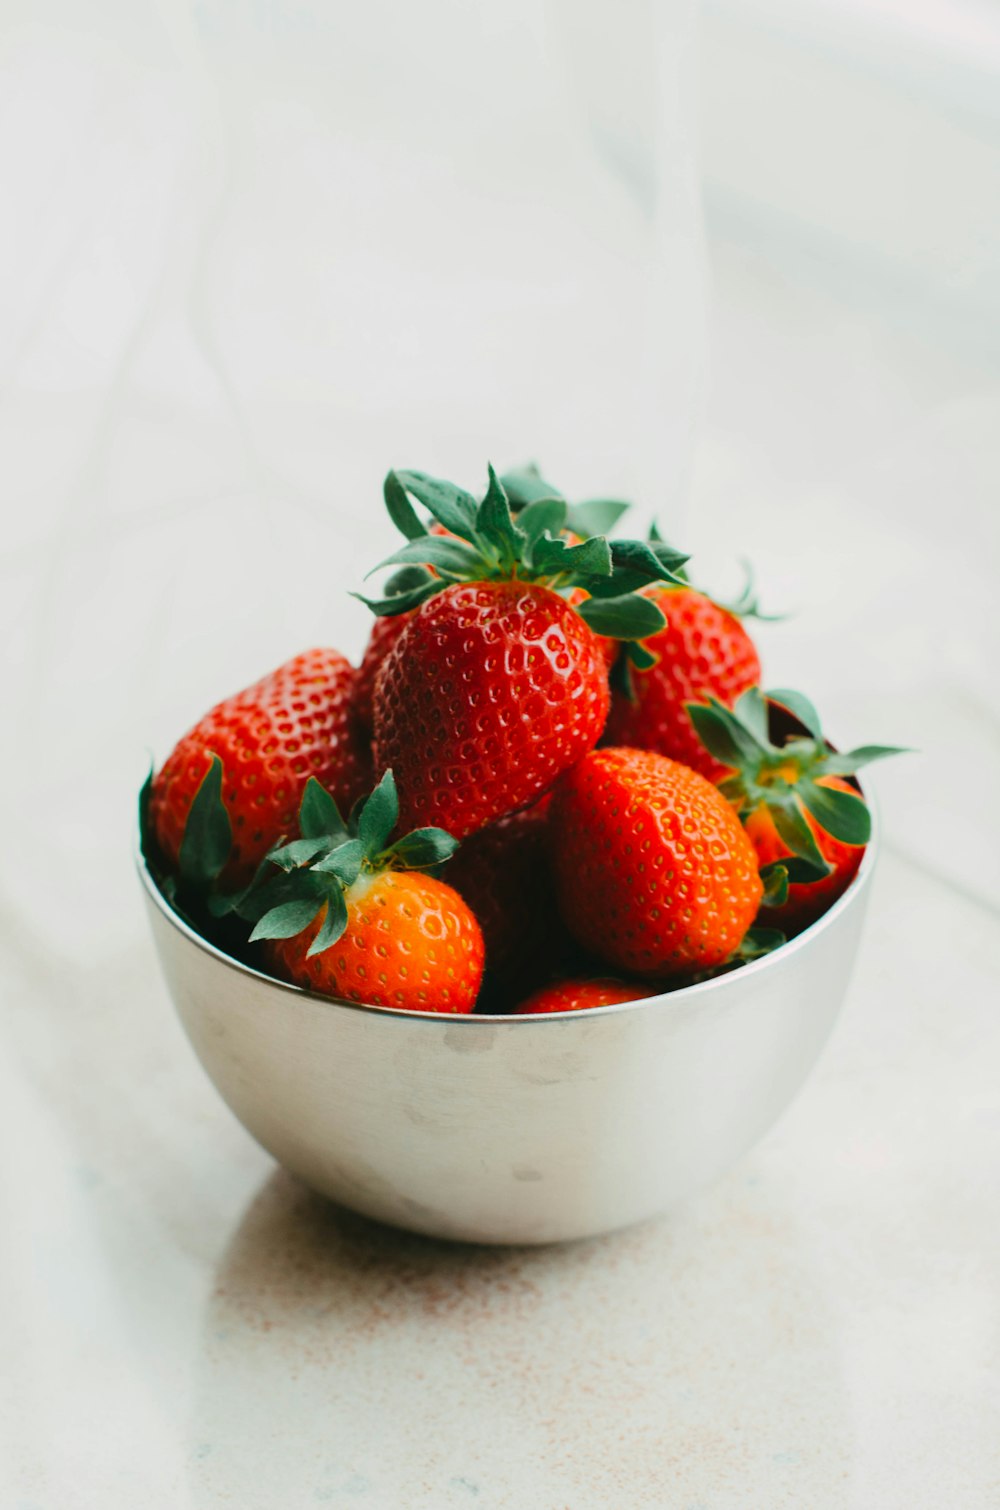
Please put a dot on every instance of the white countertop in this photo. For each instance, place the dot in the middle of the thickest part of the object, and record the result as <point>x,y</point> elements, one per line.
<point>183,1325</point>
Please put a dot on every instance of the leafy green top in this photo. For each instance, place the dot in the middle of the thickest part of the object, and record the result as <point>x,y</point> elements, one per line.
<point>488,542</point>
<point>299,877</point>
<point>784,779</point>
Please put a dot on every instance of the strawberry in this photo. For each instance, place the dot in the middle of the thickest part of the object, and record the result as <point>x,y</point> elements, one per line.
<point>497,684</point>
<point>654,873</point>
<point>345,912</point>
<point>504,874</point>
<point>702,652</point>
<point>294,723</point>
<point>578,995</point>
<point>523,487</point>
<point>804,900</point>
<point>384,634</point>
<point>808,826</point>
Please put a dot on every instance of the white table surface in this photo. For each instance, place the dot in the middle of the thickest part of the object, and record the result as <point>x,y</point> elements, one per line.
<point>184,1326</point>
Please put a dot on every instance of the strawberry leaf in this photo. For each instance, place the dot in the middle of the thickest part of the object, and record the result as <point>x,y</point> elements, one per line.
<point>715,732</point>
<point>285,921</point>
<point>297,852</point>
<point>333,925</point>
<point>525,486</point>
<point>853,760</point>
<point>423,848</point>
<point>319,815</point>
<point>543,514</point>
<point>450,556</point>
<point>407,578</point>
<point>268,891</point>
<point>640,655</point>
<point>775,879</point>
<point>802,872</point>
<point>751,710</point>
<point>719,723</point>
<point>841,814</point>
<point>801,708</point>
<point>623,618</point>
<point>652,560</point>
<point>591,559</point>
<point>400,602</point>
<point>795,833</point>
<point>344,862</point>
<point>451,506</point>
<point>760,941</point>
<point>495,523</point>
<point>208,834</point>
<point>401,511</point>
<point>379,817</point>
<point>595,516</point>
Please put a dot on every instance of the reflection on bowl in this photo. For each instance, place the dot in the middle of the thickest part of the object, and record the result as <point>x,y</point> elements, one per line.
<point>513,1129</point>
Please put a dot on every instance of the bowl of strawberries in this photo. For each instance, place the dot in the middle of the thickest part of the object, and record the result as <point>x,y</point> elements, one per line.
<point>532,923</point>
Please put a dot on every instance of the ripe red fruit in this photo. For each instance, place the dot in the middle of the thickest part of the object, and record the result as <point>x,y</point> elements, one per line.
<point>497,684</point>
<point>491,691</point>
<point>505,875</point>
<point>654,872</point>
<point>703,652</point>
<point>577,995</point>
<point>384,634</point>
<point>806,901</point>
<point>809,827</point>
<point>294,723</point>
<point>410,943</point>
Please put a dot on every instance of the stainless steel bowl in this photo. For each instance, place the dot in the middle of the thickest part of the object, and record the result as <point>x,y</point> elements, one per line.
<point>513,1129</point>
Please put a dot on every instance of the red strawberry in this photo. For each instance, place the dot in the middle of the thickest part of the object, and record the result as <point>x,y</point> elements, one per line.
<point>345,912</point>
<point>295,723</point>
<point>654,872</point>
<point>386,631</point>
<point>578,995</point>
<point>703,652</point>
<point>808,826</point>
<point>491,691</point>
<point>805,900</point>
<point>384,634</point>
<point>497,684</point>
<point>504,874</point>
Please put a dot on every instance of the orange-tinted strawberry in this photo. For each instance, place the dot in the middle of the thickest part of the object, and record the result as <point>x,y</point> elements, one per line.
<point>703,652</point>
<point>294,723</point>
<point>809,827</point>
<point>578,995</point>
<point>344,910</point>
<point>654,872</point>
<point>805,901</point>
<point>410,942</point>
<point>497,684</point>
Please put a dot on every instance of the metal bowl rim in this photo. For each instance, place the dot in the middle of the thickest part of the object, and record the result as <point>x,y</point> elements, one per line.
<point>664,1000</point>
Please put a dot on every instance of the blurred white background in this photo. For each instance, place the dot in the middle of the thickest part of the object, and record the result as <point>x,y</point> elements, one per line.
<point>739,263</point>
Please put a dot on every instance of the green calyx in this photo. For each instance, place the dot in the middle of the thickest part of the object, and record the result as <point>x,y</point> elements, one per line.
<point>520,535</point>
<point>298,879</point>
<point>640,657</point>
<point>784,779</point>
